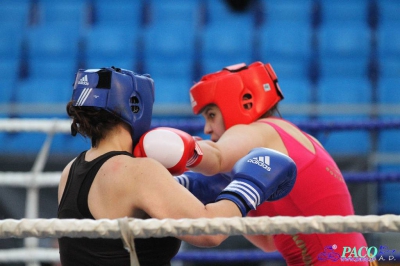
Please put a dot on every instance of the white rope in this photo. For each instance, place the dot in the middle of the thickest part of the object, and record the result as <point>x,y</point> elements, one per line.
<point>30,254</point>
<point>24,179</point>
<point>104,228</point>
<point>35,125</point>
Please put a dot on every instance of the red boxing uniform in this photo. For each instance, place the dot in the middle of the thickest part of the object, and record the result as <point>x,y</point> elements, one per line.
<point>319,190</point>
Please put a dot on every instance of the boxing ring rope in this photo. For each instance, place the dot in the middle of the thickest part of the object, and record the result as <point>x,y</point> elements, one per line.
<point>105,228</point>
<point>64,125</point>
<point>32,228</point>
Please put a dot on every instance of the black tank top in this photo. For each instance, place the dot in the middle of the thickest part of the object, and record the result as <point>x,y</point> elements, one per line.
<point>103,251</point>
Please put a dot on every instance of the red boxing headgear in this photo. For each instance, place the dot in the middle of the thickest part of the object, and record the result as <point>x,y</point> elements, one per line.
<point>242,93</point>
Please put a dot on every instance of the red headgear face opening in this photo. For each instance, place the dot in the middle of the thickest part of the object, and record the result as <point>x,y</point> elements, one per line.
<point>242,93</point>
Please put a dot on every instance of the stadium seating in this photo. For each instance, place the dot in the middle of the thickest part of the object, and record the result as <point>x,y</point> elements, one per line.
<point>15,13</point>
<point>10,54</point>
<point>388,11</point>
<point>288,47</point>
<point>121,13</point>
<point>6,91</point>
<point>73,14</point>
<point>234,46</point>
<point>297,92</point>
<point>110,45</point>
<point>344,50</point>
<point>11,43</point>
<point>141,35</point>
<point>350,91</point>
<point>170,58</point>
<point>52,51</point>
<point>175,11</point>
<point>388,192</point>
<point>300,12</point>
<point>41,91</point>
<point>388,49</point>
<point>354,11</point>
<point>388,94</point>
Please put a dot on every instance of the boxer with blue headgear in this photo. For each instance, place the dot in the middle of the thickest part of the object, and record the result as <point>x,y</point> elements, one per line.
<point>127,95</point>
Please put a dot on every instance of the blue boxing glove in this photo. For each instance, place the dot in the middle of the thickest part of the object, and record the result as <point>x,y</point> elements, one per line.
<point>263,174</point>
<point>204,188</point>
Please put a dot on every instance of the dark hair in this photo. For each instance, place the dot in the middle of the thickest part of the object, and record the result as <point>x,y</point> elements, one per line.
<point>272,112</point>
<point>91,122</point>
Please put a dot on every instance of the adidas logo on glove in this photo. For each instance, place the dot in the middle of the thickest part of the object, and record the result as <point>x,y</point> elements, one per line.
<point>262,161</point>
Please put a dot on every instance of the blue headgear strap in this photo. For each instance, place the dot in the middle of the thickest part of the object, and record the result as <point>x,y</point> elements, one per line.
<point>121,92</point>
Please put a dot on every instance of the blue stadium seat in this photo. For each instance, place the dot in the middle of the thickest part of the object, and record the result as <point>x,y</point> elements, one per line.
<point>52,52</point>
<point>388,11</point>
<point>388,93</point>
<point>11,43</point>
<point>30,143</point>
<point>173,11</point>
<point>389,141</point>
<point>388,49</point>
<point>171,90</point>
<point>110,45</point>
<point>21,142</point>
<point>288,47</point>
<point>6,90</point>
<point>169,59</point>
<point>121,13</point>
<point>10,71</point>
<point>167,54</point>
<point>389,145</point>
<point>44,92</point>
<point>226,44</point>
<point>354,11</point>
<point>15,13</point>
<point>287,11</point>
<point>66,144</point>
<point>10,54</point>
<point>72,14</point>
<point>388,90</point>
<point>296,91</point>
<point>350,91</point>
<point>344,50</point>
<point>388,192</point>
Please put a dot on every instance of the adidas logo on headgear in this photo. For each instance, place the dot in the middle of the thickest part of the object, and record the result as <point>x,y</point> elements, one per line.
<point>263,161</point>
<point>83,81</point>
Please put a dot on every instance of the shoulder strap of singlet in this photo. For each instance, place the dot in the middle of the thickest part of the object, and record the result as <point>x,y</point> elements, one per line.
<point>287,139</point>
<point>87,183</point>
<point>296,148</point>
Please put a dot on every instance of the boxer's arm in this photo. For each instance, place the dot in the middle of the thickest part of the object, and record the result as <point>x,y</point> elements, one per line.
<point>204,188</point>
<point>263,242</point>
<point>235,143</point>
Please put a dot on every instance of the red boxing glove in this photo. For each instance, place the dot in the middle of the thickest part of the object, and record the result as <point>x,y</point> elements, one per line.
<point>173,148</point>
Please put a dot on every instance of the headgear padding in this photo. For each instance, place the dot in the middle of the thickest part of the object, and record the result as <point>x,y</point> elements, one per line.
<point>242,93</point>
<point>121,92</point>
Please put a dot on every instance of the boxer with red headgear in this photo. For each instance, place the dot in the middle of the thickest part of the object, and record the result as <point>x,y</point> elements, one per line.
<point>242,93</point>
<point>239,105</point>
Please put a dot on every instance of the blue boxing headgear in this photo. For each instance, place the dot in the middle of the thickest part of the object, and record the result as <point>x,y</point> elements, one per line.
<point>121,92</point>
